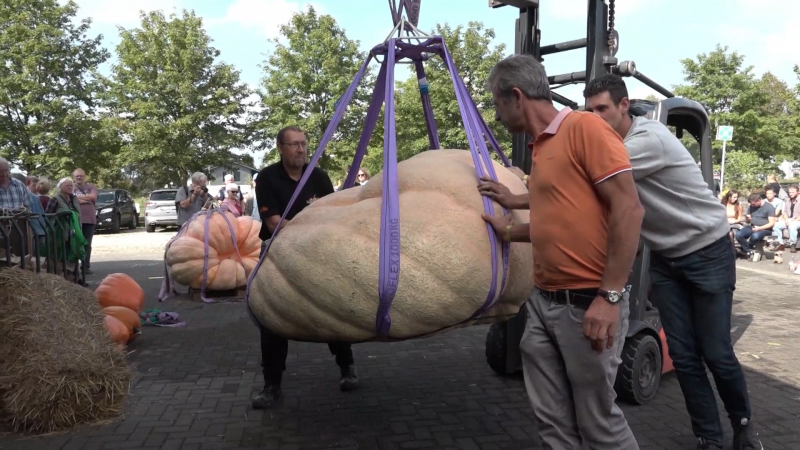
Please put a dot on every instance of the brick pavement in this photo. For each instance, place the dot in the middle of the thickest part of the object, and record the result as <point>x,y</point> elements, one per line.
<point>192,387</point>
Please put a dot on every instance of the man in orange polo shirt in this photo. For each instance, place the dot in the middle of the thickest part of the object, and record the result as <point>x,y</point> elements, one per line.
<point>584,230</point>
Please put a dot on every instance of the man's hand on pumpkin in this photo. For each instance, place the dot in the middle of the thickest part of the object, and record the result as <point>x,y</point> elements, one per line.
<point>501,194</point>
<point>498,223</point>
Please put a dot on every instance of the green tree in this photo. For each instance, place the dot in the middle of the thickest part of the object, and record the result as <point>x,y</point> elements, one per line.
<point>47,86</point>
<point>473,56</point>
<point>304,78</point>
<point>761,111</point>
<point>179,110</point>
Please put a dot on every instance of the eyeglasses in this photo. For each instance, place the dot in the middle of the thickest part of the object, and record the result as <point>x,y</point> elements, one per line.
<point>362,175</point>
<point>296,144</point>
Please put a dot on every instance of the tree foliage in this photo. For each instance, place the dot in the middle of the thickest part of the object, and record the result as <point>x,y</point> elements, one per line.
<point>177,108</point>
<point>307,73</point>
<point>763,111</point>
<point>47,86</point>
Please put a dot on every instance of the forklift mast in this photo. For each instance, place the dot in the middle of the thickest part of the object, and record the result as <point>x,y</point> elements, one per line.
<point>601,44</point>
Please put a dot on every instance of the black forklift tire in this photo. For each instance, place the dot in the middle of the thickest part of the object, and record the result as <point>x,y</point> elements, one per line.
<point>639,374</point>
<point>496,348</point>
<point>150,228</point>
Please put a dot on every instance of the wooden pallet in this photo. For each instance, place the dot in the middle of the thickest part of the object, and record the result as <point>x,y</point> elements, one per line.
<point>237,294</point>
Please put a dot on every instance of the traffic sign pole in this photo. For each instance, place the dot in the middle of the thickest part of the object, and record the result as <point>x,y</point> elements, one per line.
<point>724,134</point>
<point>722,168</point>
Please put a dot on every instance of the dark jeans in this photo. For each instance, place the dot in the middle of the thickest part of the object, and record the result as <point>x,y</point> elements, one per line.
<point>88,233</point>
<point>274,350</point>
<point>694,297</point>
<point>748,238</point>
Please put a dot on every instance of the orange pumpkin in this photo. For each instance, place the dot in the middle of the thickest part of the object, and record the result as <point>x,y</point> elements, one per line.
<point>118,289</point>
<point>184,255</point>
<point>127,317</point>
<point>118,330</point>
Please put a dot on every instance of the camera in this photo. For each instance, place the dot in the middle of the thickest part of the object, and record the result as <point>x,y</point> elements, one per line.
<point>204,189</point>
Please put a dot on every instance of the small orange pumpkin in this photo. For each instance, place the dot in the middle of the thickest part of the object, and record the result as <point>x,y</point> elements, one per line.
<point>127,317</point>
<point>118,331</point>
<point>118,289</point>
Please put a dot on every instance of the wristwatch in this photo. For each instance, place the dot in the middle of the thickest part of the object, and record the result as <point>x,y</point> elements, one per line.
<point>612,297</point>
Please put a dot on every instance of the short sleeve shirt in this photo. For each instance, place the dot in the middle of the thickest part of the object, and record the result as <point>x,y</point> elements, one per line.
<point>568,219</point>
<point>760,216</point>
<point>274,189</point>
<point>88,210</point>
<point>195,207</point>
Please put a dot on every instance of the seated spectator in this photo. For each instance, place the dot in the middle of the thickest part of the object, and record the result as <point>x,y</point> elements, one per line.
<point>734,212</point>
<point>790,219</point>
<point>777,230</point>
<point>761,219</point>
<point>13,193</point>
<point>232,204</point>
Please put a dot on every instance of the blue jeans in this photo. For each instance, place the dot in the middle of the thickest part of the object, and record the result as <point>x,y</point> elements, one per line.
<point>694,297</point>
<point>748,238</point>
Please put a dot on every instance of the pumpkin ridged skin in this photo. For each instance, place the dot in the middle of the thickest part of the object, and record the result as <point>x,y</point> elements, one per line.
<point>117,330</point>
<point>125,315</point>
<point>319,281</point>
<point>119,289</point>
<point>225,271</point>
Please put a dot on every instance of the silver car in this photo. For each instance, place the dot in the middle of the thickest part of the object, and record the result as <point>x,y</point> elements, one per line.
<point>159,211</point>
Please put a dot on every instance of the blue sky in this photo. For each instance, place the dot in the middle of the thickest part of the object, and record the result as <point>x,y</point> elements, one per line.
<point>656,34</point>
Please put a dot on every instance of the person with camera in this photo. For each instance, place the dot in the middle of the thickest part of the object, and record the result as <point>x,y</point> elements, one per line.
<point>190,199</point>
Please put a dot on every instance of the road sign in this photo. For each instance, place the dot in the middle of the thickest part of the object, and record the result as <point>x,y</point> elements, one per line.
<point>724,133</point>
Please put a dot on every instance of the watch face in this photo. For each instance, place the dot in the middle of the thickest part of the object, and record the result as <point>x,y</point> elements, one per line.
<point>614,297</point>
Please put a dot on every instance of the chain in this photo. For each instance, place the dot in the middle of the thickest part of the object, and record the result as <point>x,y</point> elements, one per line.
<point>612,43</point>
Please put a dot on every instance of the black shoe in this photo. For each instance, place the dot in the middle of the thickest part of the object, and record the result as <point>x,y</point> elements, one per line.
<point>703,444</point>
<point>267,397</point>
<point>349,381</point>
<point>744,438</point>
<point>88,272</point>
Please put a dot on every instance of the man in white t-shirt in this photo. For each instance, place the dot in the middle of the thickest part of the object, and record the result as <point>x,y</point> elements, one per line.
<point>780,225</point>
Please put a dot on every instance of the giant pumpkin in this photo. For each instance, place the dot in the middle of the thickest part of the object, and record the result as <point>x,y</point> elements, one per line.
<point>319,280</point>
<point>185,254</point>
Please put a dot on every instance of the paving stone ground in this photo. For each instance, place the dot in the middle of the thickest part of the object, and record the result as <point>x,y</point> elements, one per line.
<point>193,384</point>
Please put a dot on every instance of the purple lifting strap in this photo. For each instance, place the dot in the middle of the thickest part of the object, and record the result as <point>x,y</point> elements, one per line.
<point>477,132</point>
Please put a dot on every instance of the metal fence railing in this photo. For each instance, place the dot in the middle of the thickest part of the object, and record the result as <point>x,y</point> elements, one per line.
<point>40,244</point>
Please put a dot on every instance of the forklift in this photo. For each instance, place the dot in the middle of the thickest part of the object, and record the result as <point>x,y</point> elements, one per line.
<point>645,356</point>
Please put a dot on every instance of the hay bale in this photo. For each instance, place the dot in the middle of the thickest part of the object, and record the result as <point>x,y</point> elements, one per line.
<point>59,367</point>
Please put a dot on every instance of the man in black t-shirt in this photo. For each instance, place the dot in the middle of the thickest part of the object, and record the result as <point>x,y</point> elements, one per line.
<point>275,185</point>
<point>762,218</point>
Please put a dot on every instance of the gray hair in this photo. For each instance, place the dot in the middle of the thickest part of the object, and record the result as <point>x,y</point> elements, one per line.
<point>61,183</point>
<point>228,177</point>
<point>198,177</point>
<point>523,72</point>
<point>4,161</point>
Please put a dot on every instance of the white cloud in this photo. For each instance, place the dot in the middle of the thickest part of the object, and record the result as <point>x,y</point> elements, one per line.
<point>265,16</point>
<point>125,14</point>
<point>765,34</point>
<point>577,9</point>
